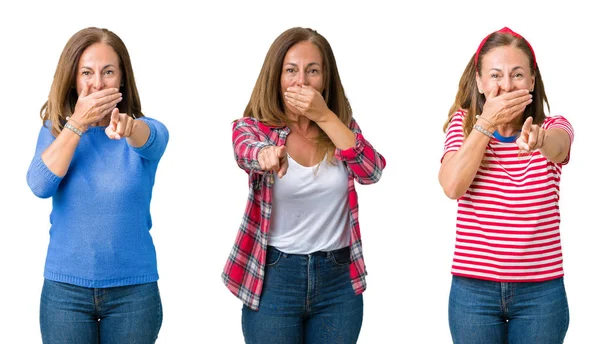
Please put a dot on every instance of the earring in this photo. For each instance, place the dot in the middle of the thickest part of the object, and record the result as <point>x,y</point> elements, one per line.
<point>481,91</point>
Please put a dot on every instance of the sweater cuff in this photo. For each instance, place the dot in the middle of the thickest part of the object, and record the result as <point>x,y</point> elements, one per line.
<point>42,181</point>
<point>151,137</point>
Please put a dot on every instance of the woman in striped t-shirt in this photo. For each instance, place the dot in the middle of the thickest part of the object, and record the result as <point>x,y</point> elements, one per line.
<point>502,161</point>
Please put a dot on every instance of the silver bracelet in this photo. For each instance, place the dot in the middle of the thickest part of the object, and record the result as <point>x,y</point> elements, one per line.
<point>83,128</point>
<point>482,130</point>
<point>72,128</point>
<point>487,120</point>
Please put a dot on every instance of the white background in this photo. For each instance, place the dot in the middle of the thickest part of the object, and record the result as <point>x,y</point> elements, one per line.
<point>196,67</point>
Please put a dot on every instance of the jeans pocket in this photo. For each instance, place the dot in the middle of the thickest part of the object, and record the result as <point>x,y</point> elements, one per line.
<point>341,257</point>
<point>273,256</point>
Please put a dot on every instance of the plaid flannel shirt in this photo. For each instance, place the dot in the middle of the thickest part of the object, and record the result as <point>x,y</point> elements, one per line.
<point>245,268</point>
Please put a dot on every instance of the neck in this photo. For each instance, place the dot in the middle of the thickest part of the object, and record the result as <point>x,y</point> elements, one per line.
<point>508,129</point>
<point>301,124</point>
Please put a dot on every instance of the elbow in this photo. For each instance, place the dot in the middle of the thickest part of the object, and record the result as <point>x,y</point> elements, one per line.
<point>40,192</point>
<point>452,190</point>
<point>453,193</point>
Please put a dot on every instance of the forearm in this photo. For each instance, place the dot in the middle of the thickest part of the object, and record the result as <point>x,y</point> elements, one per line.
<point>341,136</point>
<point>459,168</point>
<point>556,145</point>
<point>57,157</point>
<point>139,134</point>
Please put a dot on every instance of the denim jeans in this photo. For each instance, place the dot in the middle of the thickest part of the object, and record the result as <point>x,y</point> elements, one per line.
<point>73,314</point>
<point>305,299</point>
<point>516,313</point>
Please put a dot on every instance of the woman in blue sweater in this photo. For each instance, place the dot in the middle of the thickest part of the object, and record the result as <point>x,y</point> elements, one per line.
<point>97,156</point>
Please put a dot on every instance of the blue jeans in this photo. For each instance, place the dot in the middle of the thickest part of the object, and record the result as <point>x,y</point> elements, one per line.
<point>517,313</point>
<point>73,314</point>
<point>305,299</point>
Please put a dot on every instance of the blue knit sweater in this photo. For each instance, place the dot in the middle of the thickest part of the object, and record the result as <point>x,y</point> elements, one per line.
<point>100,220</point>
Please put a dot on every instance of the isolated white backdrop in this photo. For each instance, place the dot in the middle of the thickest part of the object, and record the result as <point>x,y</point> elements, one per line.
<point>196,66</point>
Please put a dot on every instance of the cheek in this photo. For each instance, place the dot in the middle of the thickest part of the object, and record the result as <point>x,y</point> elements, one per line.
<point>79,85</point>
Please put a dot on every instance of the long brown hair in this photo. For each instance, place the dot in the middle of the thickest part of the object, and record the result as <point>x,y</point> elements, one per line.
<point>471,101</point>
<point>63,93</point>
<point>266,103</point>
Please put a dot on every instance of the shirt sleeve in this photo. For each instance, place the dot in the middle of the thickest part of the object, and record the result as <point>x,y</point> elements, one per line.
<point>560,122</point>
<point>247,144</point>
<point>454,134</point>
<point>42,182</point>
<point>157,141</point>
<point>364,162</point>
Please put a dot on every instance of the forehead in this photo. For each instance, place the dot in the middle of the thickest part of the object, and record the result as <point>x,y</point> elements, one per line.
<point>508,55</point>
<point>98,53</point>
<point>303,51</point>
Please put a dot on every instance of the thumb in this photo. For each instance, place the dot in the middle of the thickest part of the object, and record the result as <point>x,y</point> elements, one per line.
<point>281,151</point>
<point>85,90</point>
<point>493,91</point>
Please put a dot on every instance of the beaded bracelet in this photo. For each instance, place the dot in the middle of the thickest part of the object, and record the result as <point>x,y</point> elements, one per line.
<point>487,120</point>
<point>482,130</point>
<point>72,128</point>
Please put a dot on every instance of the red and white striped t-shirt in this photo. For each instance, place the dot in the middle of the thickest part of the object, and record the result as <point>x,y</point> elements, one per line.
<point>507,226</point>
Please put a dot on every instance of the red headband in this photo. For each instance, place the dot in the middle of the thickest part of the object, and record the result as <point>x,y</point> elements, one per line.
<point>509,31</point>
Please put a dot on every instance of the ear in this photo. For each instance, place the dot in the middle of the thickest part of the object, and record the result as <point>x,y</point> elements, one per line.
<point>479,83</point>
<point>532,82</point>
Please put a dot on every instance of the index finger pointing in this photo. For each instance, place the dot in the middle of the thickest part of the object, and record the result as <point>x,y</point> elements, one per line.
<point>527,125</point>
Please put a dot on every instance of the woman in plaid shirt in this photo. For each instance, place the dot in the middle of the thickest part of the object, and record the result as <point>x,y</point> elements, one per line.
<point>298,252</point>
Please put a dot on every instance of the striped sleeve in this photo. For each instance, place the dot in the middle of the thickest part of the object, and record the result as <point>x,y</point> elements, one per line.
<point>559,122</point>
<point>454,134</point>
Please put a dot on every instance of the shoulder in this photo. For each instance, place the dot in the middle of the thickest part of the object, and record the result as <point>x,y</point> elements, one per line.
<point>457,118</point>
<point>555,118</point>
<point>150,120</point>
<point>250,123</point>
<point>558,121</point>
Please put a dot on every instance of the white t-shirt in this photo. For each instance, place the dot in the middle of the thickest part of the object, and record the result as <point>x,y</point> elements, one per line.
<point>310,209</point>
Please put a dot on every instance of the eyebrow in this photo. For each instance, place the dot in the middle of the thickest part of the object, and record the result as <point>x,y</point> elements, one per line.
<point>103,68</point>
<point>512,70</point>
<point>295,65</point>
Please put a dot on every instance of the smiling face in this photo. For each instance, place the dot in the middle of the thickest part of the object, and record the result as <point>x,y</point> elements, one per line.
<point>98,68</point>
<point>506,67</point>
<point>302,65</point>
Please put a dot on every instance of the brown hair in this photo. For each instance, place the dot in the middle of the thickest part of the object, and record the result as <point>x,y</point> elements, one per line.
<point>63,93</point>
<point>266,103</point>
<point>471,101</point>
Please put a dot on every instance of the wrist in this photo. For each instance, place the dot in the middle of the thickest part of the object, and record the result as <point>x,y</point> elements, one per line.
<point>77,124</point>
<point>327,117</point>
<point>486,123</point>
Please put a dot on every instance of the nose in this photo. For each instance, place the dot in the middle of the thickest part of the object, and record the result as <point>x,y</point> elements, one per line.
<point>506,84</point>
<point>97,83</point>
<point>301,79</point>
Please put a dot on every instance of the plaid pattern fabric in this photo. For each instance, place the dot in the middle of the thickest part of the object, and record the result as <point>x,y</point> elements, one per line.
<point>245,268</point>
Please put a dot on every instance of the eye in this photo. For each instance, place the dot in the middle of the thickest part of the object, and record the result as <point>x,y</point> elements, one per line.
<point>290,70</point>
<point>518,75</point>
<point>86,72</point>
<point>494,76</point>
<point>109,72</point>
<point>313,71</point>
